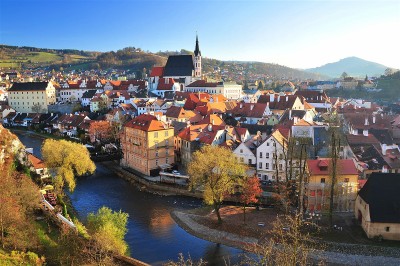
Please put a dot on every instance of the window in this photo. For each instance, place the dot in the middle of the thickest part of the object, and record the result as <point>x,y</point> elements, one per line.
<point>267,143</point>
<point>157,162</point>
<point>260,154</point>
<point>241,151</point>
<point>166,160</point>
<point>259,165</point>
<point>346,180</point>
<point>267,166</point>
<point>387,229</point>
<point>280,166</point>
<point>250,161</point>
<point>156,134</point>
<point>322,180</point>
<point>166,133</point>
<point>241,159</point>
<point>280,156</point>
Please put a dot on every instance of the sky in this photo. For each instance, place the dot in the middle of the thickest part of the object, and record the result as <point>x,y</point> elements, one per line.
<point>299,34</point>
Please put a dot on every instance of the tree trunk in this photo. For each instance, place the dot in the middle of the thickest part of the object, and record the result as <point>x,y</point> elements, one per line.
<point>216,208</point>
<point>244,213</point>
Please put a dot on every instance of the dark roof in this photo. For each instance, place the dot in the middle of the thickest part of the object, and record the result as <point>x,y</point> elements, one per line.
<point>382,135</point>
<point>29,86</point>
<point>179,66</point>
<point>197,49</point>
<point>381,192</point>
<point>253,128</point>
<point>89,94</point>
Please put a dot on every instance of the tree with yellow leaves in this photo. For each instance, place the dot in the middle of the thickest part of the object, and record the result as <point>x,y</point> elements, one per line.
<point>67,159</point>
<point>217,171</point>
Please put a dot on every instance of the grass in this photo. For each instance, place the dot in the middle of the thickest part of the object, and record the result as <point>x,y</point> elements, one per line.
<point>48,233</point>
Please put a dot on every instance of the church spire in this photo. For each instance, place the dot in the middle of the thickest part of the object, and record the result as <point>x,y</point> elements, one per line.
<point>197,49</point>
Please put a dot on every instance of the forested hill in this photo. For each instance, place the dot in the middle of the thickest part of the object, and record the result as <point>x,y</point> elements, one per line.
<point>135,59</point>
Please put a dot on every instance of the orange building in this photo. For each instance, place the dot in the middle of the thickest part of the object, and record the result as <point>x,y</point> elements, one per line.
<point>147,144</point>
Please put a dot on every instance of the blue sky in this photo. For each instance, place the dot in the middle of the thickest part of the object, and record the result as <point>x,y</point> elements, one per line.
<point>299,34</point>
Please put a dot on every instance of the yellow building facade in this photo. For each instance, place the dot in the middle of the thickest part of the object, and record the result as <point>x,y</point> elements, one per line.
<point>32,97</point>
<point>318,186</point>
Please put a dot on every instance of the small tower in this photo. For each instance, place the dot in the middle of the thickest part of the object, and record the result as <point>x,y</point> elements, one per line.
<point>197,60</point>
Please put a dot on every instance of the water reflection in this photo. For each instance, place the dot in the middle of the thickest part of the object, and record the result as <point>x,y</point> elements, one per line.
<point>152,234</point>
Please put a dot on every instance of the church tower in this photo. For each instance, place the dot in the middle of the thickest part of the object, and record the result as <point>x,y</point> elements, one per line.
<point>197,60</point>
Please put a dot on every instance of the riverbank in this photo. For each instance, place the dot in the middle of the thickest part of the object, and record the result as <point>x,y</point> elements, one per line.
<point>349,254</point>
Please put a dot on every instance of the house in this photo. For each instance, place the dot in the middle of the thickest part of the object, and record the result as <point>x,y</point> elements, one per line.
<point>279,103</point>
<point>176,113</point>
<point>246,151</point>
<point>38,166</point>
<point>87,96</point>
<point>317,98</point>
<point>228,90</point>
<point>270,157</point>
<point>147,144</point>
<point>250,113</point>
<point>377,206</point>
<point>317,189</point>
<point>31,97</point>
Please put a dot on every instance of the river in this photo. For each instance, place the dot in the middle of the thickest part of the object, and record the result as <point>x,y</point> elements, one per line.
<point>153,236</point>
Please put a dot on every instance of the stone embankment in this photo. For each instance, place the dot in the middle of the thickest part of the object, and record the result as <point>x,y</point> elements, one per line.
<point>348,254</point>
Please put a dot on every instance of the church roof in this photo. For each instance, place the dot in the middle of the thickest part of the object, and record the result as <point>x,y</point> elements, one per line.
<point>197,49</point>
<point>179,66</point>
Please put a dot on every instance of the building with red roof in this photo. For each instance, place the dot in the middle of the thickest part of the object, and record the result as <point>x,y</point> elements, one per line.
<point>147,144</point>
<point>317,189</point>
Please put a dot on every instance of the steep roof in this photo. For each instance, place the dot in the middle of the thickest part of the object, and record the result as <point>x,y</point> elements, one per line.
<point>179,66</point>
<point>197,49</point>
<point>381,192</point>
<point>36,162</point>
<point>29,86</point>
<point>202,83</point>
<point>278,102</point>
<point>249,110</point>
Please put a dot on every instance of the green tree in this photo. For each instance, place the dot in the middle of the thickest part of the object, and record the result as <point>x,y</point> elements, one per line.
<point>344,75</point>
<point>107,229</point>
<point>67,159</point>
<point>217,172</point>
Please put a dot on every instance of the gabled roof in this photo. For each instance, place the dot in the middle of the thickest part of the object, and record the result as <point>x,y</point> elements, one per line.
<point>179,66</point>
<point>88,94</point>
<point>279,102</point>
<point>165,84</point>
<point>249,110</point>
<point>212,119</point>
<point>179,112</point>
<point>381,192</point>
<point>202,83</point>
<point>29,86</point>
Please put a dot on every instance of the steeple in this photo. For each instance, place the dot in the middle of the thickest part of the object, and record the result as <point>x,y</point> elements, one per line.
<point>197,49</point>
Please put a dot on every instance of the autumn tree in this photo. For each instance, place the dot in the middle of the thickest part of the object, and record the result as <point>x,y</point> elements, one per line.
<point>19,196</point>
<point>107,230</point>
<point>250,191</point>
<point>67,159</point>
<point>215,170</point>
<point>100,131</point>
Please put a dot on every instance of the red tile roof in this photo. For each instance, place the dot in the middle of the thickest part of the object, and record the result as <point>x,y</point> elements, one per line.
<point>157,71</point>
<point>36,162</point>
<point>322,167</point>
<point>146,122</point>
<point>202,83</point>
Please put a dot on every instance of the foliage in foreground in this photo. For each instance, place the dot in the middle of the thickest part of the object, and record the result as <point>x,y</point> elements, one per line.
<point>216,170</point>
<point>288,244</point>
<point>67,159</point>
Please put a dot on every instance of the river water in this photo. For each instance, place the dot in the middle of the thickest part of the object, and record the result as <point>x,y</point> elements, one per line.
<point>153,236</point>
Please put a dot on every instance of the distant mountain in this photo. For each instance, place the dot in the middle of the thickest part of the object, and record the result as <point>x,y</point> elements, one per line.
<point>353,66</point>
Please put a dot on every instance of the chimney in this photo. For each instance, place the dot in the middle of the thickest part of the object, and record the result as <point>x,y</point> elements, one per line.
<point>212,121</point>
<point>365,132</point>
<point>188,123</point>
<point>242,137</point>
<point>241,105</point>
<point>200,130</point>
<point>279,98</point>
<point>373,119</point>
<point>384,149</point>
<point>287,98</point>
<point>290,114</point>
<point>271,97</point>
<point>209,127</point>
<point>366,121</point>
<point>251,106</point>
